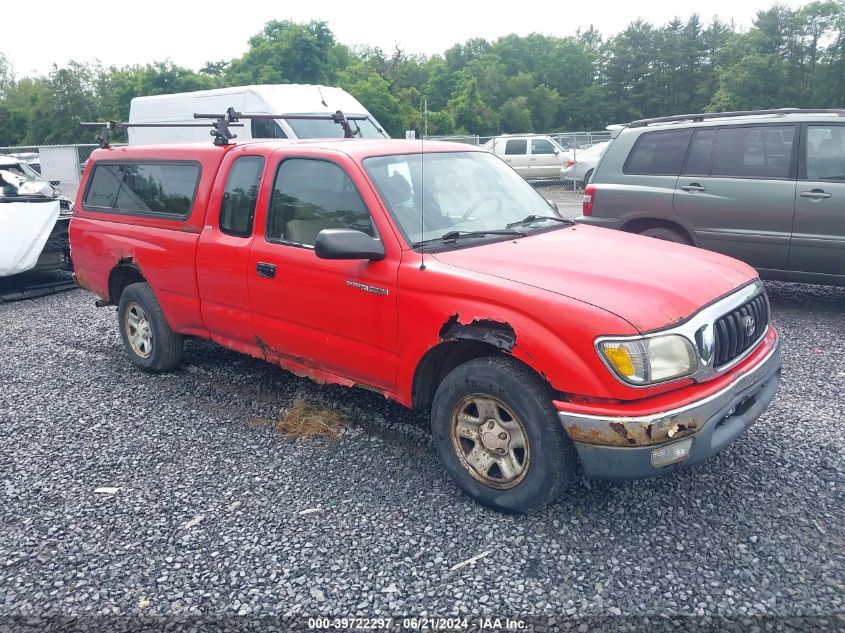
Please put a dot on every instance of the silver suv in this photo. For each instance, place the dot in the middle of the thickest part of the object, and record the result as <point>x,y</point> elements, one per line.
<point>765,186</point>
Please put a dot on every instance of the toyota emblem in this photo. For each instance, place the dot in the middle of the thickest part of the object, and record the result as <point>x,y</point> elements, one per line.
<point>749,326</point>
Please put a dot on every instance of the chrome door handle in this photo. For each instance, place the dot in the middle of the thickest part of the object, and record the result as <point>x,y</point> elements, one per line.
<point>694,187</point>
<point>815,194</point>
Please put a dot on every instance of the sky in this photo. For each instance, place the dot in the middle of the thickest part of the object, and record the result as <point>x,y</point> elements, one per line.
<point>192,33</point>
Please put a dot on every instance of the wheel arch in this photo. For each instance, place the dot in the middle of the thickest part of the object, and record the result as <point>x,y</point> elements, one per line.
<point>460,344</point>
<point>125,273</point>
<point>638,225</point>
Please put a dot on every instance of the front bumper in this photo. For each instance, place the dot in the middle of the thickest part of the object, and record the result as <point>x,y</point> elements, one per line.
<point>712,423</point>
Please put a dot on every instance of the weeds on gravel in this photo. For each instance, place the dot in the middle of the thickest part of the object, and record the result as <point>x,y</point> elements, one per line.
<point>304,419</point>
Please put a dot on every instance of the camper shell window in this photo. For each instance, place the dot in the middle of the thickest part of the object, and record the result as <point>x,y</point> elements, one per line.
<point>163,189</point>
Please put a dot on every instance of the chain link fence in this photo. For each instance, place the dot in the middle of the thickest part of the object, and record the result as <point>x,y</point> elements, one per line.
<point>62,165</point>
<point>547,165</point>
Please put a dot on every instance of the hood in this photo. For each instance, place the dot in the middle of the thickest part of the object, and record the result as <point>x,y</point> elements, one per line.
<point>650,283</point>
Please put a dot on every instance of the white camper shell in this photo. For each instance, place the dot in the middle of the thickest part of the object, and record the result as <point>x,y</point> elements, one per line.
<point>265,99</point>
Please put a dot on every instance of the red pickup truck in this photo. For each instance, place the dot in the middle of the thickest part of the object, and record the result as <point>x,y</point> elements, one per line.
<point>438,277</point>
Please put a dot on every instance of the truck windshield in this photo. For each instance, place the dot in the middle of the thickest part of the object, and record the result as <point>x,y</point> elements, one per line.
<point>329,129</point>
<point>457,192</point>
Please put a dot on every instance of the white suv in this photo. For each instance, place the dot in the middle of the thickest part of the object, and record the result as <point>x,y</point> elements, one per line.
<point>533,157</point>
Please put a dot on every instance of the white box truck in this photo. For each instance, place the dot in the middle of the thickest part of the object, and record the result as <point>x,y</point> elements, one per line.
<point>288,99</point>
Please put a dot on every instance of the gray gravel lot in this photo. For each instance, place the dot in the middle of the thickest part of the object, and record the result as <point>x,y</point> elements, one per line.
<point>568,203</point>
<point>208,520</point>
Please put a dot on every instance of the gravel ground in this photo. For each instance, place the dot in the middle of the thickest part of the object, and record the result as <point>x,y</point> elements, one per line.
<point>210,520</point>
<point>568,203</point>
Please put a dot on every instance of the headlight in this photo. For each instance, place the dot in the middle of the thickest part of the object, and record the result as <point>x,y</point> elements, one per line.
<point>646,361</point>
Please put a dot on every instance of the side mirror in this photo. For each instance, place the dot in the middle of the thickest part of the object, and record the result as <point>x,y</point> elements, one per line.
<point>557,151</point>
<point>347,244</point>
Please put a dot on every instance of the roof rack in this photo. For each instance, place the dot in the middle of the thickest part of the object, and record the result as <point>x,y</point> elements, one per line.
<point>222,122</point>
<point>698,118</point>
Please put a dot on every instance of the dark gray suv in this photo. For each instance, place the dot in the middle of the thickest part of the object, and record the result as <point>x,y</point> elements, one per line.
<point>766,187</point>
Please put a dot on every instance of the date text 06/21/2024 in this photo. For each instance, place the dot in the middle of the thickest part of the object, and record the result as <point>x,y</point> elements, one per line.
<point>417,623</point>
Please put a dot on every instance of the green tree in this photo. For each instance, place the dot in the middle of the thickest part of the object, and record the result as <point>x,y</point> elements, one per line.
<point>287,52</point>
<point>515,116</point>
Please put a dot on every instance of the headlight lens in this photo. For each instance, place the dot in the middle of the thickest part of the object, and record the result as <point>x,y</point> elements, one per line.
<point>647,361</point>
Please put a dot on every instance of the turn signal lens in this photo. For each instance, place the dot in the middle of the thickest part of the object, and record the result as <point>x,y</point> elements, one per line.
<point>620,359</point>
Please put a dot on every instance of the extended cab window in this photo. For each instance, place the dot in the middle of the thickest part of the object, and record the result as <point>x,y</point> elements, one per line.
<point>144,188</point>
<point>753,152</point>
<point>658,153</point>
<point>238,206</point>
<point>312,195</point>
<point>516,147</point>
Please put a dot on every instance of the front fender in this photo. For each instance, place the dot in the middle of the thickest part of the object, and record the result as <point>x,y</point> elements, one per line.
<point>552,334</point>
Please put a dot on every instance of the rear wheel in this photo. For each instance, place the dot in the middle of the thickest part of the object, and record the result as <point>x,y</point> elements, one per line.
<point>667,234</point>
<point>498,435</point>
<point>147,337</point>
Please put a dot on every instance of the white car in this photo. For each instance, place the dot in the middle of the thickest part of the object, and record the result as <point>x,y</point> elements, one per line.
<point>34,220</point>
<point>580,166</point>
<point>533,157</point>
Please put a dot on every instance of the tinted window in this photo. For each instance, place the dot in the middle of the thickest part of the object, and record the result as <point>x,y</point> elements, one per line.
<point>516,147</point>
<point>147,188</point>
<point>753,152</point>
<point>266,128</point>
<point>826,152</point>
<point>312,195</point>
<point>700,153</point>
<point>541,146</point>
<point>238,206</point>
<point>658,153</point>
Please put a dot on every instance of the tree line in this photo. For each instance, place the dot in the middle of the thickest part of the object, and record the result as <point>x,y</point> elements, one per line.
<point>787,58</point>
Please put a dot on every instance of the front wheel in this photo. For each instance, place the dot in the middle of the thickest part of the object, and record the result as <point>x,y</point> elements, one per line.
<point>147,337</point>
<point>498,435</point>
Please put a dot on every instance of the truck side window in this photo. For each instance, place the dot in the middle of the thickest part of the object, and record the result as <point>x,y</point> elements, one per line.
<point>311,195</point>
<point>541,146</point>
<point>238,206</point>
<point>516,147</point>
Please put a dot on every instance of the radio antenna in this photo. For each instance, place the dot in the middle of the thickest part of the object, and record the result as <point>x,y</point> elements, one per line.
<point>422,185</point>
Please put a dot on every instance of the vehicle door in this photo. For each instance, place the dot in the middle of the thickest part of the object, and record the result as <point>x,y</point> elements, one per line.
<point>545,160</point>
<point>516,155</point>
<point>818,234</point>
<point>737,191</point>
<point>223,250</point>
<point>335,316</point>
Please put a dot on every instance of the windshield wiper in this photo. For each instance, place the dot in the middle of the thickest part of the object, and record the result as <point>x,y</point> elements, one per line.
<point>531,219</point>
<point>457,235</point>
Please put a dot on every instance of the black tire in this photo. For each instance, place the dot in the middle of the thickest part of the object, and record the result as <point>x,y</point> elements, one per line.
<point>552,457</point>
<point>164,349</point>
<point>667,234</point>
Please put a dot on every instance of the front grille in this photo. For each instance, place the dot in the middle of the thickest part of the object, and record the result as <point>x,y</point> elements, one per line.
<point>733,332</point>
